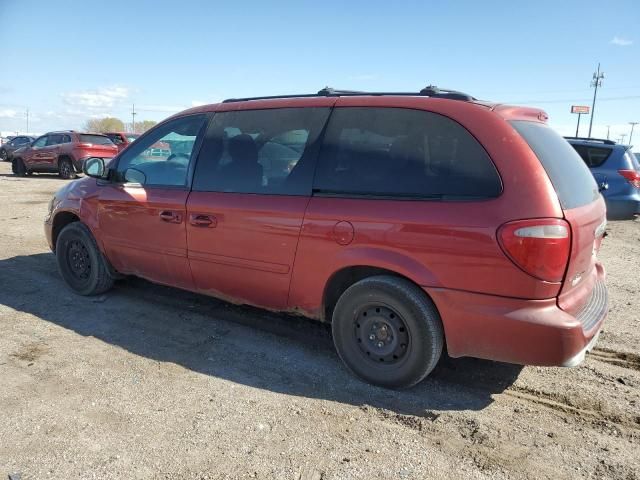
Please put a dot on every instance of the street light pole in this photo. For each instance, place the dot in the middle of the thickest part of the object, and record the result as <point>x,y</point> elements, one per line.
<point>608,128</point>
<point>622,138</point>
<point>633,124</point>
<point>595,82</point>
<point>27,132</point>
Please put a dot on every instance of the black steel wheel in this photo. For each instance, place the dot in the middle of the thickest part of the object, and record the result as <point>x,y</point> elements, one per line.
<point>381,333</point>
<point>387,331</point>
<point>80,262</point>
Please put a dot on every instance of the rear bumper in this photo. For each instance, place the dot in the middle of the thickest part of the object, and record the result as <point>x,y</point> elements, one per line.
<point>527,332</point>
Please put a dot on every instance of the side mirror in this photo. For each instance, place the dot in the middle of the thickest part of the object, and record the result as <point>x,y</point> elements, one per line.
<point>603,186</point>
<point>94,167</point>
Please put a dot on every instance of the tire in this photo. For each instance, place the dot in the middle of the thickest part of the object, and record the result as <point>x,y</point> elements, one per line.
<point>80,262</point>
<point>3,155</point>
<point>66,169</point>
<point>396,323</point>
<point>19,168</point>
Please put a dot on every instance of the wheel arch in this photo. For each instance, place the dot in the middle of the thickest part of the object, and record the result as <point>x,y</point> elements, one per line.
<point>346,276</point>
<point>61,220</point>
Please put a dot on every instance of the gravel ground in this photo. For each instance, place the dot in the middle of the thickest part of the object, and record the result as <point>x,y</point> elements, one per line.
<point>152,382</point>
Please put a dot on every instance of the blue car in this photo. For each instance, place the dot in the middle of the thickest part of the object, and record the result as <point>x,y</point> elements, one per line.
<point>617,172</point>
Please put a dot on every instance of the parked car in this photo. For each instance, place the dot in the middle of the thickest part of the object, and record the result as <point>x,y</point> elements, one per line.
<point>408,221</point>
<point>12,145</point>
<point>617,171</point>
<point>6,139</point>
<point>122,139</point>
<point>62,152</point>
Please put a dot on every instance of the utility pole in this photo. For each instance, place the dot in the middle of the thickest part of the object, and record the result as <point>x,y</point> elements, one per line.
<point>133,118</point>
<point>596,82</point>
<point>608,128</point>
<point>633,124</point>
<point>27,132</point>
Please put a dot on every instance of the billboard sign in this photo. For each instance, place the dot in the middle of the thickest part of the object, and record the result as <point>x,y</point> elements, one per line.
<point>579,109</point>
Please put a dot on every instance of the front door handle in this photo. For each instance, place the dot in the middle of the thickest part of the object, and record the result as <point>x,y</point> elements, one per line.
<point>200,220</point>
<point>170,217</point>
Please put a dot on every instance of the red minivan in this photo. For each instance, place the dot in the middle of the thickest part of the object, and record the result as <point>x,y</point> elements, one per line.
<point>409,221</point>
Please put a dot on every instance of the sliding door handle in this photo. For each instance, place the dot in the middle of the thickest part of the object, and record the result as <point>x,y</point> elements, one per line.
<point>170,217</point>
<point>200,220</point>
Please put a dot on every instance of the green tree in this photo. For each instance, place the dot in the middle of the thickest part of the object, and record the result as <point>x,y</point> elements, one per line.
<point>144,125</point>
<point>103,125</point>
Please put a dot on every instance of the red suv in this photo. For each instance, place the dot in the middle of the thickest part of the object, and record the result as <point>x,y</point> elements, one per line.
<point>408,221</point>
<point>61,152</point>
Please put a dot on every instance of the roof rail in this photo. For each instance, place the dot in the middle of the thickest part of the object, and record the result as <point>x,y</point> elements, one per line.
<point>430,91</point>
<point>598,140</point>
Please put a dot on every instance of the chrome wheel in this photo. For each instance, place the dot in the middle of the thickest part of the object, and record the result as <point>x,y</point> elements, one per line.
<point>65,169</point>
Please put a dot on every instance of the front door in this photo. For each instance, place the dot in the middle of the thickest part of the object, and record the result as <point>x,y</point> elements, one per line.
<point>49,154</point>
<point>35,154</point>
<point>250,191</point>
<point>141,212</point>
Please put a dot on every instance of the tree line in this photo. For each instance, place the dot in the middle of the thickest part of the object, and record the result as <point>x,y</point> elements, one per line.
<point>113,124</point>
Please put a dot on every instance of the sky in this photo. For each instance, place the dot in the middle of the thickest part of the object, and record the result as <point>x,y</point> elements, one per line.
<point>68,61</point>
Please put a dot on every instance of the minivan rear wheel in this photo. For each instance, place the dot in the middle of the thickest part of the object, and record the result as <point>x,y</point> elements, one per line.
<point>80,262</point>
<point>387,331</point>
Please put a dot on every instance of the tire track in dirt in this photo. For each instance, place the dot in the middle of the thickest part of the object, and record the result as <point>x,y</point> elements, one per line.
<point>613,357</point>
<point>577,407</point>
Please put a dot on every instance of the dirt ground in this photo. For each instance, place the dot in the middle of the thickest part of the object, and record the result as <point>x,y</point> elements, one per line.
<point>152,382</point>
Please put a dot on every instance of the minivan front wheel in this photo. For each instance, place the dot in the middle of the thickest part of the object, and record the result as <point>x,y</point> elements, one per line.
<point>80,262</point>
<point>387,331</point>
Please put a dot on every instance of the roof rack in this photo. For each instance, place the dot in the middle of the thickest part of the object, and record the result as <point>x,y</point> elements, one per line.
<point>430,91</point>
<point>597,140</point>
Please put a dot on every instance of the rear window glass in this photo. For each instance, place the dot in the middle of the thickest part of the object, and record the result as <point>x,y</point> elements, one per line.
<point>395,152</point>
<point>95,139</point>
<point>592,156</point>
<point>569,175</point>
<point>633,158</point>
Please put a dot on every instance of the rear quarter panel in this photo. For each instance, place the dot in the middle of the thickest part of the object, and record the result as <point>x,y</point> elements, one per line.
<point>436,244</point>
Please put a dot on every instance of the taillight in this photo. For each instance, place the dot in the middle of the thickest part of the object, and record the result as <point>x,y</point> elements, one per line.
<point>631,176</point>
<point>538,246</point>
<point>84,145</point>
